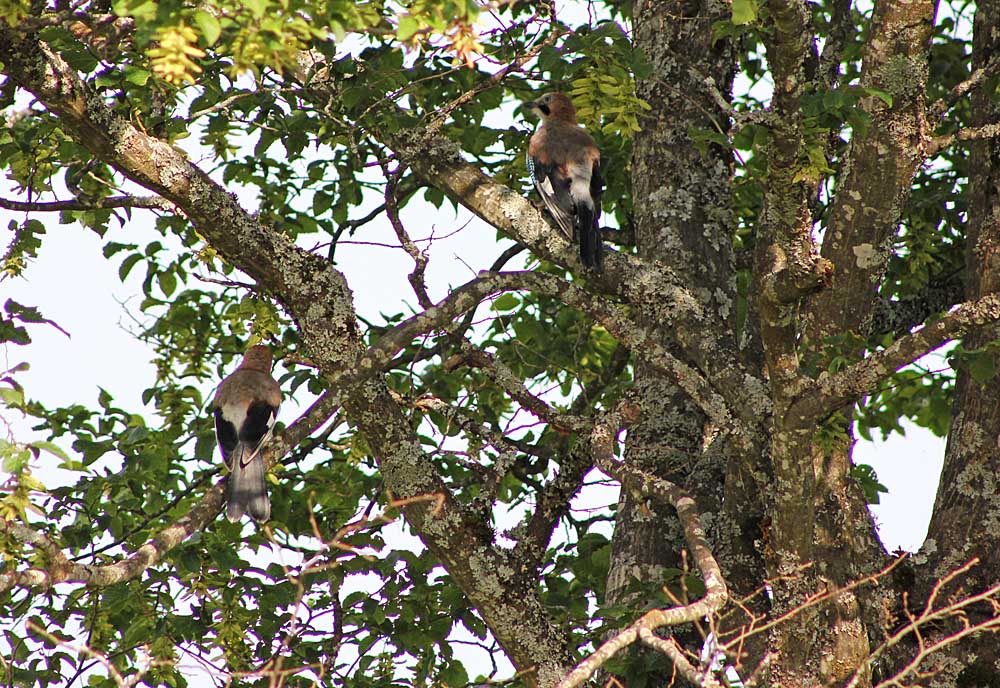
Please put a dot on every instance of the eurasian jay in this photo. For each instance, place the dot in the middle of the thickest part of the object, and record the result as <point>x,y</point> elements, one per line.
<point>565,167</point>
<point>246,406</point>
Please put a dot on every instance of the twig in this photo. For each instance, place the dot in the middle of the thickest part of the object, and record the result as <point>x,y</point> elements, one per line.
<point>671,649</point>
<point>228,283</point>
<point>435,124</point>
<point>930,616</point>
<point>224,104</point>
<point>552,501</point>
<point>415,278</point>
<point>507,449</point>
<point>84,649</point>
<point>602,445</point>
<point>146,202</point>
<point>505,378</point>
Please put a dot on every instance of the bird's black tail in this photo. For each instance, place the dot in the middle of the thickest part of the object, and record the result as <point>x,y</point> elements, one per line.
<point>589,233</point>
<point>247,488</point>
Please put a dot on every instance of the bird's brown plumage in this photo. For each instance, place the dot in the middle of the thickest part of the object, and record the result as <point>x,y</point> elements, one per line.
<point>565,166</point>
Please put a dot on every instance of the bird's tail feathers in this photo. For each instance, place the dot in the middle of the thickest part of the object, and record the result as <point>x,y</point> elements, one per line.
<point>591,247</point>
<point>247,486</point>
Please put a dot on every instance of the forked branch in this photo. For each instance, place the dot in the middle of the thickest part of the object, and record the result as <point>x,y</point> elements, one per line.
<point>602,443</point>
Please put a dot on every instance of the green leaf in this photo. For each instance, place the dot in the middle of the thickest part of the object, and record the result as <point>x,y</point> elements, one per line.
<point>208,26</point>
<point>144,10</point>
<point>408,26</point>
<point>505,302</point>
<point>12,397</point>
<point>868,480</point>
<point>51,448</point>
<point>884,96</point>
<point>744,12</point>
<point>137,76</point>
<point>15,459</point>
<point>127,265</point>
<point>982,367</point>
<point>167,281</point>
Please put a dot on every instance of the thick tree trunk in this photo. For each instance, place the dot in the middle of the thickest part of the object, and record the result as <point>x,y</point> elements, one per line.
<point>966,519</point>
<point>821,536</point>
<point>681,195</point>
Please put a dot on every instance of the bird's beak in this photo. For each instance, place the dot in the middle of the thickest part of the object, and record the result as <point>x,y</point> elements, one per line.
<point>533,107</point>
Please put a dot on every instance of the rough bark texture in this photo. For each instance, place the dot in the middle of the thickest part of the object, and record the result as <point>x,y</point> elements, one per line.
<point>862,225</point>
<point>682,219</point>
<point>826,641</point>
<point>966,517</point>
<point>864,219</point>
<point>681,195</point>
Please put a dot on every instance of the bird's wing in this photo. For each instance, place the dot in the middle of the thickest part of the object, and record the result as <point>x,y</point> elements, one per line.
<point>553,186</point>
<point>257,429</point>
<point>596,188</point>
<point>227,436</point>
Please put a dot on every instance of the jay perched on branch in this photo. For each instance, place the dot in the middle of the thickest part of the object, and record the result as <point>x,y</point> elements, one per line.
<point>565,167</point>
<point>246,406</point>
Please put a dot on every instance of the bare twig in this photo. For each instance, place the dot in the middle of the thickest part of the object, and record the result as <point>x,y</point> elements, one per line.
<point>930,616</point>
<point>505,378</point>
<point>435,124</point>
<point>671,649</point>
<point>827,593</point>
<point>147,202</point>
<point>552,501</point>
<point>602,445</point>
<point>416,278</point>
<point>226,102</point>
<point>101,659</point>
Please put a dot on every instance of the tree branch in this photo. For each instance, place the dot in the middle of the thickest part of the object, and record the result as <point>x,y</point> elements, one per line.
<point>416,278</point>
<point>929,617</point>
<point>985,131</point>
<point>602,444</point>
<point>833,391</point>
<point>149,202</point>
<point>975,79</point>
<point>612,318</point>
<point>438,160</point>
<point>505,379</point>
<point>841,28</point>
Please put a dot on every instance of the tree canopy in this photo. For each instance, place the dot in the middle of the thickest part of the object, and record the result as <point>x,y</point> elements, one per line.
<point>802,201</point>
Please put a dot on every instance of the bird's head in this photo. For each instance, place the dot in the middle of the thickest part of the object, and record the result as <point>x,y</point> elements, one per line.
<point>258,358</point>
<point>555,106</point>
